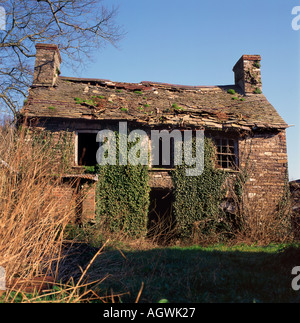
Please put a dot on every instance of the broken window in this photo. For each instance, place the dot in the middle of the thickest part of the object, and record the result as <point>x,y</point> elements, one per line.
<point>87,147</point>
<point>227,156</point>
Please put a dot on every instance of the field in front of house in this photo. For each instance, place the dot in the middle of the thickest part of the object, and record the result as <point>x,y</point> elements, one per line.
<point>196,274</point>
<point>37,243</point>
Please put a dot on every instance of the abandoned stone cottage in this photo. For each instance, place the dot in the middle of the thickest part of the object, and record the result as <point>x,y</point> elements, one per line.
<point>238,117</point>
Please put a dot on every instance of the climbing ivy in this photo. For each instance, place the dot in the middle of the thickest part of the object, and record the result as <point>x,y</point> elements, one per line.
<point>197,198</point>
<point>123,198</point>
<point>57,146</point>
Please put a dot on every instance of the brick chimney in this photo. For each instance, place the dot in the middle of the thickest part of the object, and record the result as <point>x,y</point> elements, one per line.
<point>47,63</point>
<point>247,74</point>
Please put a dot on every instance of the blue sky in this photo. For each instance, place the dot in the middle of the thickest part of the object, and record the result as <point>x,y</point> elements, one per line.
<point>196,42</point>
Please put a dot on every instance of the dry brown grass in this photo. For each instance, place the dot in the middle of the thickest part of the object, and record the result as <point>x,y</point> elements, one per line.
<point>162,229</point>
<point>33,219</point>
<point>32,216</point>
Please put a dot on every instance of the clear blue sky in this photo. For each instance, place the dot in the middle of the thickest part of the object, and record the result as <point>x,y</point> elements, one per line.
<point>196,42</point>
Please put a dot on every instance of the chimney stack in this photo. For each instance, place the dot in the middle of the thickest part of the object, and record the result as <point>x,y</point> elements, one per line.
<point>47,63</point>
<point>247,74</point>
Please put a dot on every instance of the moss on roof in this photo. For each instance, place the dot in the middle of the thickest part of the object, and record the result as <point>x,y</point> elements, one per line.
<point>152,104</point>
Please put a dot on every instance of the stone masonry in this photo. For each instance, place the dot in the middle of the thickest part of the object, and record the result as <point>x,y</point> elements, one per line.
<point>67,104</point>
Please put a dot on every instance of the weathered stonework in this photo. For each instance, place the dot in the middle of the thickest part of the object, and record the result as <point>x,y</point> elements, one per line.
<point>88,207</point>
<point>295,194</point>
<point>67,105</point>
<point>295,201</point>
<point>264,158</point>
<point>66,196</point>
<point>160,180</point>
<point>80,191</point>
<point>247,73</point>
<point>46,70</point>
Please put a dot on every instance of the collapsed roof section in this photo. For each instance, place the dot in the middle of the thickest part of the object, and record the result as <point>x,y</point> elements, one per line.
<point>152,103</point>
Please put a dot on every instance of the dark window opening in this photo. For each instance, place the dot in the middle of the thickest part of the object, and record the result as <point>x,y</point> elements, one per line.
<point>164,162</point>
<point>87,149</point>
<point>161,222</point>
<point>226,153</point>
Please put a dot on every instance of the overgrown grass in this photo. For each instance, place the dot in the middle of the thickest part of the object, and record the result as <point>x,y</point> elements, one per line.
<point>33,220</point>
<point>33,215</point>
<point>197,274</point>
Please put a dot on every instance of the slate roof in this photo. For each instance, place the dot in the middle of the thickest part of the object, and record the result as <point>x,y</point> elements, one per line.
<point>153,104</point>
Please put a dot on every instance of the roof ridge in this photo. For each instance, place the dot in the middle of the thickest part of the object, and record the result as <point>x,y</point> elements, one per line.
<point>144,83</point>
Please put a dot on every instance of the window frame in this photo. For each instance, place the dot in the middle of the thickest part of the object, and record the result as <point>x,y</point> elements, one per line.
<point>162,167</point>
<point>227,154</point>
<point>77,132</point>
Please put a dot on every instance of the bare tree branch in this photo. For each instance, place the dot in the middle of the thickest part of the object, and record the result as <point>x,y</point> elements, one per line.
<point>77,26</point>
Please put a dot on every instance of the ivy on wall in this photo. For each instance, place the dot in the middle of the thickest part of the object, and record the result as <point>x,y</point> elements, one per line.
<point>122,198</point>
<point>197,198</point>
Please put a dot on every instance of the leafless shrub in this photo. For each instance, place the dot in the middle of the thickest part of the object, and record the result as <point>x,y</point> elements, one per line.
<point>256,222</point>
<point>77,26</point>
<point>33,216</point>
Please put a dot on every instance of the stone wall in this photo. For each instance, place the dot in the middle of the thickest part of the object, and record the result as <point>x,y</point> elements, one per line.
<point>295,204</point>
<point>88,206</point>
<point>263,155</point>
<point>61,140</point>
<point>264,158</point>
<point>81,193</point>
<point>66,195</point>
<point>160,180</point>
<point>295,195</point>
